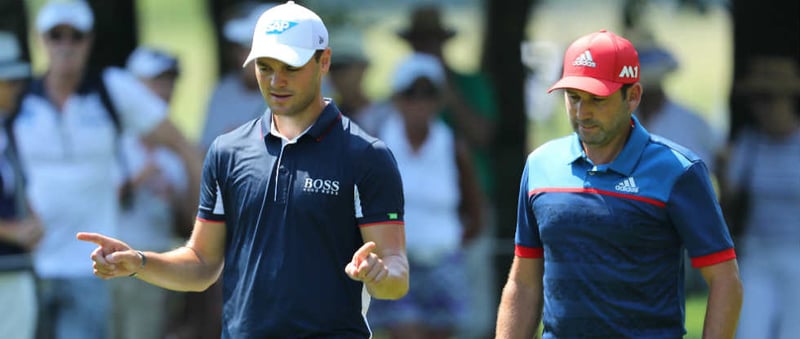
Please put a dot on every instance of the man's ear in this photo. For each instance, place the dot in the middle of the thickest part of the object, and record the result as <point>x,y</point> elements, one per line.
<point>634,96</point>
<point>325,60</point>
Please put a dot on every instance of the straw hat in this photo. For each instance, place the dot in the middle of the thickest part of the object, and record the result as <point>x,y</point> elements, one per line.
<point>426,22</point>
<point>770,74</point>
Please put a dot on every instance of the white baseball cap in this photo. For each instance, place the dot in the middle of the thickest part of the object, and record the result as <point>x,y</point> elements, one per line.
<point>76,14</point>
<point>11,64</point>
<point>289,33</point>
<point>415,66</point>
<point>149,63</point>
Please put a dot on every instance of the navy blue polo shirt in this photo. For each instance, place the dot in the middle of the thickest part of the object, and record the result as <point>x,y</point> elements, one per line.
<point>612,236</point>
<point>293,214</point>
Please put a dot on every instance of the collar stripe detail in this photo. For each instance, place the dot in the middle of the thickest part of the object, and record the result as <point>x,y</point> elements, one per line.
<point>654,202</point>
<point>330,127</point>
<point>211,221</point>
<point>382,223</point>
<point>714,258</point>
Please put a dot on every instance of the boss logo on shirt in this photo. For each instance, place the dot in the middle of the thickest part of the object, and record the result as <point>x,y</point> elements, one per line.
<point>324,186</point>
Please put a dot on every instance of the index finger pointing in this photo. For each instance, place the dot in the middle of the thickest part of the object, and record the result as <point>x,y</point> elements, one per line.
<point>364,251</point>
<point>96,238</point>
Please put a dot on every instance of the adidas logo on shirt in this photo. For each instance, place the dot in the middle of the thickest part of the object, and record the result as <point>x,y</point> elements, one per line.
<point>584,59</point>
<point>627,185</point>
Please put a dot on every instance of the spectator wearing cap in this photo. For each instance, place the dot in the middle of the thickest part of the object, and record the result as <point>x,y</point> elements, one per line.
<point>662,116</point>
<point>160,207</point>
<point>67,132</point>
<point>470,109</point>
<point>606,213</point>
<point>442,205</point>
<point>235,98</point>
<point>347,80</point>
<point>20,230</point>
<point>760,182</point>
<point>301,211</point>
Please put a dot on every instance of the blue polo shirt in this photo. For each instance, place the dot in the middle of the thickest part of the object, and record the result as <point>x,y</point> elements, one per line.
<point>612,236</point>
<point>293,212</point>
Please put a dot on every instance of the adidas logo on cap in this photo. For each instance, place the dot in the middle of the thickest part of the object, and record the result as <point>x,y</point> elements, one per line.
<point>599,63</point>
<point>584,59</point>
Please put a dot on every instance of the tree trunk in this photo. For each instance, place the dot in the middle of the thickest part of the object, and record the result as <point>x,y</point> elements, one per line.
<point>768,27</point>
<point>115,29</point>
<point>502,60</point>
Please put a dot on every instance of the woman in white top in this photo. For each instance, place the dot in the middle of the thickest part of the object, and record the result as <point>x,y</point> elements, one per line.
<point>442,205</point>
<point>763,166</point>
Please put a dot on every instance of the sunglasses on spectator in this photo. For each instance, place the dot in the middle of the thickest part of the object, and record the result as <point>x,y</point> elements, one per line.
<point>66,35</point>
<point>420,93</point>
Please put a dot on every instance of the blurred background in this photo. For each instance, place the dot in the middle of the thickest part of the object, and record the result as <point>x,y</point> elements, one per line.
<point>517,44</point>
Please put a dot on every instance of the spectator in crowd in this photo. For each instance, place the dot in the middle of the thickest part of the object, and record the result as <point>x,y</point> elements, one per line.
<point>469,108</point>
<point>442,205</point>
<point>160,206</point>
<point>761,186</point>
<point>68,135</point>
<point>662,116</point>
<point>235,98</point>
<point>20,230</point>
<point>346,78</point>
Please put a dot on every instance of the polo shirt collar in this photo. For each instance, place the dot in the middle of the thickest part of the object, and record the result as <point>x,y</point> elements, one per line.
<point>627,159</point>
<point>330,114</point>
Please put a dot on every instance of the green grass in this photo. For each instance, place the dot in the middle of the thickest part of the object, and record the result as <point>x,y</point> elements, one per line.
<point>695,313</point>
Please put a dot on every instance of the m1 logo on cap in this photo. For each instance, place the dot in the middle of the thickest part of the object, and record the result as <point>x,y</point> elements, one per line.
<point>279,26</point>
<point>631,72</point>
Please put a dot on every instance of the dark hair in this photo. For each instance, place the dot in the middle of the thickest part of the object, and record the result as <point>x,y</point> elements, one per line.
<point>624,90</point>
<point>318,54</point>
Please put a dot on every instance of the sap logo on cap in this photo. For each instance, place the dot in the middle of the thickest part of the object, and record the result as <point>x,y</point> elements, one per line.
<point>279,26</point>
<point>629,72</point>
<point>584,59</point>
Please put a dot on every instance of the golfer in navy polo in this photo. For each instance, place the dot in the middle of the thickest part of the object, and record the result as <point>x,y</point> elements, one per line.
<point>300,211</point>
<point>605,214</point>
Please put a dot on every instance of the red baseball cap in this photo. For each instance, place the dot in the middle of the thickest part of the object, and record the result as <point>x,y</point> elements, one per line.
<point>599,63</point>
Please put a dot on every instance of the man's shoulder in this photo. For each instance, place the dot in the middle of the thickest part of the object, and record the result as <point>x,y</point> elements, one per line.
<point>356,136</point>
<point>553,150</point>
<point>663,150</point>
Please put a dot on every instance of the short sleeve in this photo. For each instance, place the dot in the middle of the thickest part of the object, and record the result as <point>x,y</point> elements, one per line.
<point>140,110</point>
<point>211,208</point>
<point>527,241</point>
<point>695,213</point>
<point>378,187</point>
